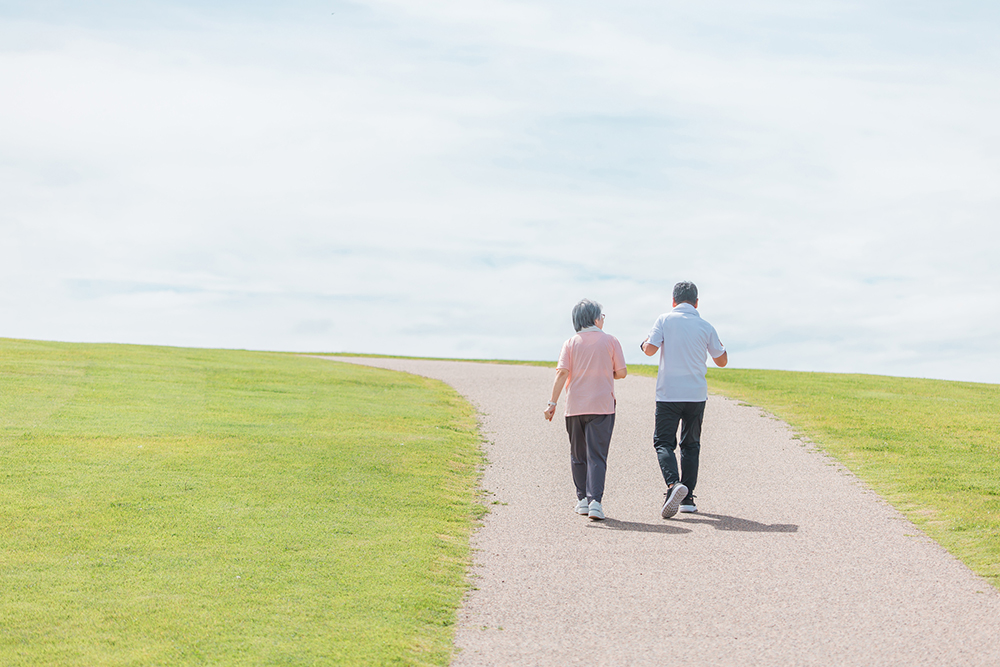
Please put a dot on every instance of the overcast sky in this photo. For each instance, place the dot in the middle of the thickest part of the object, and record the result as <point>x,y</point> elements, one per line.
<point>448,178</point>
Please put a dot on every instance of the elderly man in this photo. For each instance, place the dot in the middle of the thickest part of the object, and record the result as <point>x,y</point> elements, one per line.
<point>683,339</point>
<point>589,364</point>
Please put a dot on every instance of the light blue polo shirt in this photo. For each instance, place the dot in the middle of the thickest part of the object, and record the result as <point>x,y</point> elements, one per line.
<point>684,340</point>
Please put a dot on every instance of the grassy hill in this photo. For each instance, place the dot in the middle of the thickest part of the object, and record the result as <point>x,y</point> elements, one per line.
<point>182,506</point>
<point>930,447</point>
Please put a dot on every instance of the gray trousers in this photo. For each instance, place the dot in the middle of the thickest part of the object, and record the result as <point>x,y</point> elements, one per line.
<point>589,441</point>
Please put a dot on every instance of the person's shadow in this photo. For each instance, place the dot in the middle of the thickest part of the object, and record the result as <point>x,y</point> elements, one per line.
<point>617,524</point>
<point>717,521</point>
<point>723,522</point>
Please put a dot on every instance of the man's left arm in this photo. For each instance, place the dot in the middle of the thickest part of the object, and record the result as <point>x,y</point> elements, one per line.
<point>717,350</point>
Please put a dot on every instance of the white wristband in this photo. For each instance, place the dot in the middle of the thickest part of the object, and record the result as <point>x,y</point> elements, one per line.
<point>552,404</point>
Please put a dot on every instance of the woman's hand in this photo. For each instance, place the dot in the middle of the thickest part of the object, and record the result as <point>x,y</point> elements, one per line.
<point>561,376</point>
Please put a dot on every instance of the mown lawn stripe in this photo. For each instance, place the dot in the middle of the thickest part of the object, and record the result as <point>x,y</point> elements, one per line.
<point>177,506</point>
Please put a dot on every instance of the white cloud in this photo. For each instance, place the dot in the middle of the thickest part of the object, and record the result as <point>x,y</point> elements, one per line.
<point>448,178</point>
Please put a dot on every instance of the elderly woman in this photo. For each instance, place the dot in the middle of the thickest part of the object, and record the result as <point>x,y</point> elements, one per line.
<point>589,364</point>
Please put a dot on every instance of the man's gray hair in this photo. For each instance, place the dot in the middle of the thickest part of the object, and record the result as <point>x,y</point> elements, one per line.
<point>585,314</point>
<point>685,292</point>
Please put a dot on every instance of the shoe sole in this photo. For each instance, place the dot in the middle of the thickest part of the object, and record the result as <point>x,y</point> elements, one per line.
<point>594,516</point>
<point>688,509</point>
<point>674,500</point>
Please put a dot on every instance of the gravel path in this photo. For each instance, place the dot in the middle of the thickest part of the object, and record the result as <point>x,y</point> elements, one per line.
<point>790,560</point>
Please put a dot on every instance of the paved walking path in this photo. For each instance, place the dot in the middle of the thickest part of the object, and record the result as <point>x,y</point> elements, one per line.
<point>790,560</point>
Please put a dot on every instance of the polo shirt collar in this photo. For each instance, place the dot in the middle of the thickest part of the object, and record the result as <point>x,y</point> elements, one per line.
<point>686,308</point>
<point>591,328</point>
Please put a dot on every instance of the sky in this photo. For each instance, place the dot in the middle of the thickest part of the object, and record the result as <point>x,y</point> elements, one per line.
<point>448,178</point>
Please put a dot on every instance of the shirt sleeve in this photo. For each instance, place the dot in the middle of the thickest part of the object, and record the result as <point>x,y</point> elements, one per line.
<point>565,361</point>
<point>715,347</point>
<point>617,356</point>
<point>656,333</point>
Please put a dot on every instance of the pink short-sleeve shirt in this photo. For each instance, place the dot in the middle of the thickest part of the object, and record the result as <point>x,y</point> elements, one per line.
<point>591,357</point>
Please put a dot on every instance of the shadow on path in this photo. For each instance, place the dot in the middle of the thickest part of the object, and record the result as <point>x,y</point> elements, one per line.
<point>615,524</point>
<point>723,522</point>
<point>717,521</point>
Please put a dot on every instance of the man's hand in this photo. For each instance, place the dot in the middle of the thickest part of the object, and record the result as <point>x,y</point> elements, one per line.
<point>648,348</point>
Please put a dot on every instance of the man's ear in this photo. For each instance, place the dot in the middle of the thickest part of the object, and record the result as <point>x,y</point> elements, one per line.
<point>674,301</point>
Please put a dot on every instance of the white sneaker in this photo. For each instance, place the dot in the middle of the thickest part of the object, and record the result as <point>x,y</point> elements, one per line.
<point>596,511</point>
<point>672,500</point>
<point>583,507</point>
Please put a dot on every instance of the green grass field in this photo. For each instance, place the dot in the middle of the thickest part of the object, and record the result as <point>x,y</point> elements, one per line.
<point>181,507</point>
<point>930,447</point>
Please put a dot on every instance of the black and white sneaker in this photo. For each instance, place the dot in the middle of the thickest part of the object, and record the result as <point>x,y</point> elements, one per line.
<point>688,504</point>
<point>672,500</point>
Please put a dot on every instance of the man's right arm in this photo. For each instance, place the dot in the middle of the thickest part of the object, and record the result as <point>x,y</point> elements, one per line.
<point>721,360</point>
<point>647,347</point>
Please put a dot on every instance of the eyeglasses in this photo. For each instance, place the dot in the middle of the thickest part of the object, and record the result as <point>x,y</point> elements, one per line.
<point>603,315</point>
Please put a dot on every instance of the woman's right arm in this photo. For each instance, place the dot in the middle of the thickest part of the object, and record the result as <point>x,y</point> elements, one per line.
<point>561,376</point>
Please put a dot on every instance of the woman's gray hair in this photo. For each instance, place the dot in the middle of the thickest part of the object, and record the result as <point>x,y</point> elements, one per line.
<point>585,314</point>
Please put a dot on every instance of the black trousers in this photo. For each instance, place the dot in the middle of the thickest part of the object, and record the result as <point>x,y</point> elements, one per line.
<point>689,416</point>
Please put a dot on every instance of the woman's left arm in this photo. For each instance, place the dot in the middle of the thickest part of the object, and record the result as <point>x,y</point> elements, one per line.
<point>618,360</point>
